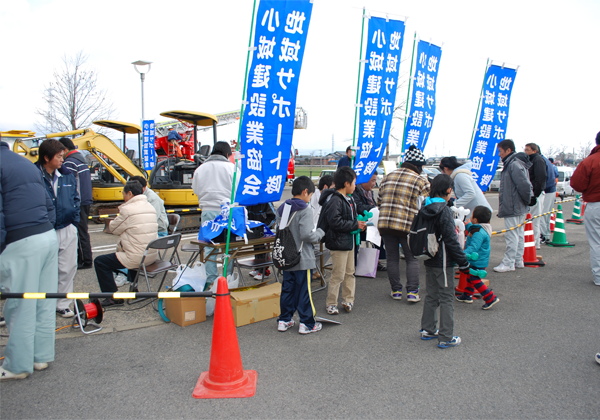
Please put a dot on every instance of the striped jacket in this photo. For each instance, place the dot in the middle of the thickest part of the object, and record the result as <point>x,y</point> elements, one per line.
<point>398,199</point>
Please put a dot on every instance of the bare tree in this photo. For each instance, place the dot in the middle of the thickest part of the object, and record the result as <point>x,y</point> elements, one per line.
<point>73,99</point>
<point>584,150</point>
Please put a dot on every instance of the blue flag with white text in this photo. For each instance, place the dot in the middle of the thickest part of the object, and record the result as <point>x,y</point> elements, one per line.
<point>491,127</point>
<point>148,145</point>
<point>378,94</point>
<point>268,122</point>
<point>422,103</point>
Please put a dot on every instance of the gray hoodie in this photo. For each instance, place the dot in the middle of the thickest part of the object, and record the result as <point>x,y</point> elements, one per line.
<point>515,189</point>
<point>468,193</point>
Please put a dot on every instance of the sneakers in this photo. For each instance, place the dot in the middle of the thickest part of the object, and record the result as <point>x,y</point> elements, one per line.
<point>347,306</point>
<point>381,267</point>
<point>464,298</point>
<point>544,240</point>
<point>413,297</point>
<point>254,273</point>
<point>396,295</point>
<point>489,305</point>
<point>504,268</point>
<point>2,321</point>
<point>598,358</point>
<point>65,313</point>
<point>5,375</point>
<point>452,343</point>
<point>538,246</point>
<point>332,310</point>
<point>520,264</point>
<point>305,330</point>
<point>121,280</point>
<point>427,335</point>
<point>261,276</point>
<point>112,302</point>
<point>40,366</point>
<point>284,326</point>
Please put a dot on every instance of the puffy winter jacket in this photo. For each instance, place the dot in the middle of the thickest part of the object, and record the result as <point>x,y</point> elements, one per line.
<point>66,200</point>
<point>338,219</point>
<point>479,241</point>
<point>468,194</point>
<point>25,206</point>
<point>445,227</point>
<point>537,174</point>
<point>586,178</point>
<point>77,164</point>
<point>136,223</point>
<point>515,189</point>
<point>550,176</point>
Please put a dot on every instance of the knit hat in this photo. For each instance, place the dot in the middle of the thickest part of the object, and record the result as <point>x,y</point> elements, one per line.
<point>414,156</point>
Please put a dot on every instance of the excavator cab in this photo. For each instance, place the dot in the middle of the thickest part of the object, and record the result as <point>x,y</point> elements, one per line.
<point>171,178</point>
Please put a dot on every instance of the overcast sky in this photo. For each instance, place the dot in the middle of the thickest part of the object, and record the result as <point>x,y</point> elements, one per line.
<point>199,50</point>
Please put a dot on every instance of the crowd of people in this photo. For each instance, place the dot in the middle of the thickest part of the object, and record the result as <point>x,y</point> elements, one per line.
<point>44,209</point>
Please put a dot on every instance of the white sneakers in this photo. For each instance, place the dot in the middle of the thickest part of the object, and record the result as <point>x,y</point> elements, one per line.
<point>519,264</point>
<point>121,280</point>
<point>305,330</point>
<point>284,326</point>
<point>40,366</point>
<point>5,375</point>
<point>504,268</point>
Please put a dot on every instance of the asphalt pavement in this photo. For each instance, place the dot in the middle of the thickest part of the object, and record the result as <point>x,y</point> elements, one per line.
<point>531,356</point>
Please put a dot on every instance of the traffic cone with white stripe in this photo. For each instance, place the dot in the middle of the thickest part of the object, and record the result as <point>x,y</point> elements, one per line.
<point>576,217</point>
<point>559,237</point>
<point>552,222</point>
<point>530,257</point>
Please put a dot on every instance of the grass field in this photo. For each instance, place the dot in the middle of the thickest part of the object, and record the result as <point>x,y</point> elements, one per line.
<point>310,171</point>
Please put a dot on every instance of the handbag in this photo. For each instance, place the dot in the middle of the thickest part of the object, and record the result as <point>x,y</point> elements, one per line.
<point>366,265</point>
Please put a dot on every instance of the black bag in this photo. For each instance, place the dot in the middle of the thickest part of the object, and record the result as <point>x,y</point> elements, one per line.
<point>285,254</point>
<point>423,240</point>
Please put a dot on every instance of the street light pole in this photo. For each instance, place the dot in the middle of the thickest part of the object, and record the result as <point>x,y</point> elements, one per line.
<point>142,73</point>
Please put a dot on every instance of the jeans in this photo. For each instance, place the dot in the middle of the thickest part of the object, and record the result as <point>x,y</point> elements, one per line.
<point>30,265</point>
<point>439,296</point>
<point>295,297</point>
<point>105,266</point>
<point>515,241</point>
<point>535,211</point>
<point>392,246</point>
<point>592,229</point>
<point>545,223</point>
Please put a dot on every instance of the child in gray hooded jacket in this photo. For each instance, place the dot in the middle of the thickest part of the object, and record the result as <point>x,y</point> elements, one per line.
<point>295,287</point>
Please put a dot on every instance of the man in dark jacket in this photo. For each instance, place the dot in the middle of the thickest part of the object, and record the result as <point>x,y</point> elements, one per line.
<point>77,164</point>
<point>29,263</point>
<point>549,199</point>
<point>439,270</point>
<point>346,160</point>
<point>61,186</point>
<point>537,176</point>
<point>514,197</point>
<point>586,179</point>
<point>339,220</point>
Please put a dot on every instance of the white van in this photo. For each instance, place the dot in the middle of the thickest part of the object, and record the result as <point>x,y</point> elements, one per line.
<point>563,187</point>
<point>495,184</point>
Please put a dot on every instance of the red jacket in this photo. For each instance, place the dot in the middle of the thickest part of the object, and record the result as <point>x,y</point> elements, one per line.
<point>586,178</point>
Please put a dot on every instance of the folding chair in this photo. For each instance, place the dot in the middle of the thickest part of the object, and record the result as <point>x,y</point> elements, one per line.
<point>173,222</point>
<point>158,266</point>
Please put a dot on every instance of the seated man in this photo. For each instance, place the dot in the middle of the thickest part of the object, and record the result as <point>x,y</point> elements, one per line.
<point>157,203</point>
<point>137,227</point>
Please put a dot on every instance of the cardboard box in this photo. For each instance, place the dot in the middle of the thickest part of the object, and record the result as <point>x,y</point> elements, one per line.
<point>256,304</point>
<point>186,311</point>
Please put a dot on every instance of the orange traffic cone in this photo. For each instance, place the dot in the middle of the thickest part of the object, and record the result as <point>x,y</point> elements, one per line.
<point>530,258</point>
<point>552,222</point>
<point>226,377</point>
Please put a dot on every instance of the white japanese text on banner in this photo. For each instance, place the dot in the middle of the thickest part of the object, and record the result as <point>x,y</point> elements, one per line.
<point>148,145</point>
<point>492,123</point>
<point>378,93</point>
<point>422,103</point>
<point>268,120</point>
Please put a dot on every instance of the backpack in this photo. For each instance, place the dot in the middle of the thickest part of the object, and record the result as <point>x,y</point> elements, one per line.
<point>422,237</point>
<point>285,254</point>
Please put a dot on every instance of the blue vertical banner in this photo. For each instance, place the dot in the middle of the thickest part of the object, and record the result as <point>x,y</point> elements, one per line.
<point>147,151</point>
<point>378,93</point>
<point>422,103</point>
<point>268,121</point>
<point>491,126</point>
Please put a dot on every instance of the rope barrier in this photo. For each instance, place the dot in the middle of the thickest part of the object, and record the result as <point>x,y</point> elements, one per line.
<point>103,216</point>
<point>116,295</point>
<point>534,217</point>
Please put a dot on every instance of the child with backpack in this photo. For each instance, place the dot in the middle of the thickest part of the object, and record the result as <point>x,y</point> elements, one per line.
<point>295,294</point>
<point>339,221</point>
<point>444,251</point>
<point>478,241</point>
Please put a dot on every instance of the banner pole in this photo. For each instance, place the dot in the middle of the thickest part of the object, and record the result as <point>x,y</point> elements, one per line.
<point>487,63</point>
<point>360,58</point>
<point>237,146</point>
<point>412,59</point>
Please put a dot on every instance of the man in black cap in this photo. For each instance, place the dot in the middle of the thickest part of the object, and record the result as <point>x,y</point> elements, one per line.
<point>77,164</point>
